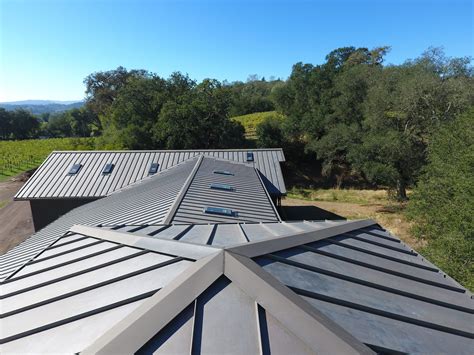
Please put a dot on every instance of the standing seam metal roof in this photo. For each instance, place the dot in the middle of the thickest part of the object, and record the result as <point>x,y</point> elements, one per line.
<point>51,180</point>
<point>344,287</point>
<point>176,195</point>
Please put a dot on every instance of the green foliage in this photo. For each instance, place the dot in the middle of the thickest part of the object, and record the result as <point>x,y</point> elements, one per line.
<point>149,112</point>
<point>252,120</point>
<point>19,156</point>
<point>270,133</point>
<point>361,119</point>
<point>252,96</point>
<point>102,87</point>
<point>442,203</point>
<point>18,124</point>
<point>199,120</point>
<point>80,122</point>
<point>59,126</point>
<point>404,106</point>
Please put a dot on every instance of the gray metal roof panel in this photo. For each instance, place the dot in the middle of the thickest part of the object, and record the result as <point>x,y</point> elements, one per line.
<point>52,181</point>
<point>248,197</point>
<point>60,288</point>
<point>397,303</point>
<point>178,195</point>
<point>219,234</point>
<point>146,202</point>
<point>370,298</point>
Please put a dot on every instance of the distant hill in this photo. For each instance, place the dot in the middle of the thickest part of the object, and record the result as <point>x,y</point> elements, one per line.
<point>38,107</point>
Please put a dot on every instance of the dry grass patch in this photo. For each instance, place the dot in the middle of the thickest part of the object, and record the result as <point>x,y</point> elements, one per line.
<point>359,204</point>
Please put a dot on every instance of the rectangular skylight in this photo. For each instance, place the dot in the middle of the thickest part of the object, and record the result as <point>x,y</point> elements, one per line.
<point>75,169</point>
<point>223,172</point>
<point>153,168</point>
<point>249,156</point>
<point>221,187</point>
<point>108,168</point>
<point>219,210</point>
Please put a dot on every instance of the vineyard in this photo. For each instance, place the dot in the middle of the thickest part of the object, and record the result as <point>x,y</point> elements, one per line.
<point>19,156</point>
<point>252,120</point>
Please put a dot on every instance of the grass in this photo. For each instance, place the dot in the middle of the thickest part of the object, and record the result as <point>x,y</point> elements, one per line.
<point>3,203</point>
<point>340,195</point>
<point>251,121</point>
<point>363,204</point>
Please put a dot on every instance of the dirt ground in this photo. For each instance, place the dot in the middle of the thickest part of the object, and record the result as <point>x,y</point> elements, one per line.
<point>391,220</point>
<point>16,223</point>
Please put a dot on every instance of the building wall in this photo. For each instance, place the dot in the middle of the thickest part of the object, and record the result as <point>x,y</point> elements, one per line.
<point>45,211</point>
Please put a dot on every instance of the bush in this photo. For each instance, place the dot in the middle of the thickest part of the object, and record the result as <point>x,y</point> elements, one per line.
<point>442,203</point>
<point>270,133</point>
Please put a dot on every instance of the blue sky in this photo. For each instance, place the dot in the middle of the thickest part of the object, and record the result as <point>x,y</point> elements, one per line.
<point>47,47</point>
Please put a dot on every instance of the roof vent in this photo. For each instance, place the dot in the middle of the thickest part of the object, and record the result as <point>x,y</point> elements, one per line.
<point>220,211</point>
<point>153,168</point>
<point>223,172</point>
<point>221,187</point>
<point>74,169</point>
<point>249,156</point>
<point>108,169</point>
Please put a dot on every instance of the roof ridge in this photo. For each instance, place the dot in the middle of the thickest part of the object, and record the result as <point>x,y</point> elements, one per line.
<point>179,198</point>
<point>161,308</point>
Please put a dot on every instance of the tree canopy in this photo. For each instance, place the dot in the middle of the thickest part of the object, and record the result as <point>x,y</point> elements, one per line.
<point>358,117</point>
<point>442,202</point>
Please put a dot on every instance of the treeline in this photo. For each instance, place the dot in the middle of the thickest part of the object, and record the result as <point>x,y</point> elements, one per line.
<point>18,124</point>
<point>366,121</point>
<point>361,121</point>
<point>21,124</point>
<point>140,110</point>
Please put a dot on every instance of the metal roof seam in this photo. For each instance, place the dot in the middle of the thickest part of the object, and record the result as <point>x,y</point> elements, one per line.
<point>179,198</point>
<point>319,332</point>
<point>160,309</point>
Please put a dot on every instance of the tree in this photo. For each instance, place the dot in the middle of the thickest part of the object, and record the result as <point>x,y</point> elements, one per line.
<point>23,124</point>
<point>135,111</point>
<point>270,133</point>
<point>102,87</point>
<point>252,96</point>
<point>154,113</point>
<point>5,124</point>
<point>404,106</point>
<point>84,122</point>
<point>442,200</point>
<point>199,119</point>
<point>59,125</point>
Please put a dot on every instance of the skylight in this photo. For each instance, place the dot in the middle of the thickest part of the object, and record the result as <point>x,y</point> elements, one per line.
<point>249,156</point>
<point>75,169</point>
<point>220,211</point>
<point>221,187</point>
<point>223,172</point>
<point>108,168</point>
<point>153,168</point>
